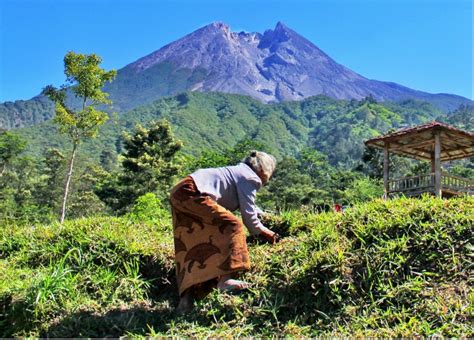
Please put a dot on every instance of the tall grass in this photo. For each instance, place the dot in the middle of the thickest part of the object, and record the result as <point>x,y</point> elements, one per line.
<point>402,267</point>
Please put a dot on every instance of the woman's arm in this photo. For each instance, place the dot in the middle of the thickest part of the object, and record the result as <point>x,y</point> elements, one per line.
<point>247,193</point>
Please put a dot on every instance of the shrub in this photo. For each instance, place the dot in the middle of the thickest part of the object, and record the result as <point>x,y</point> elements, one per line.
<point>148,208</point>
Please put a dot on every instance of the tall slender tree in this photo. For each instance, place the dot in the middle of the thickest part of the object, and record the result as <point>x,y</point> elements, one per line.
<point>85,79</point>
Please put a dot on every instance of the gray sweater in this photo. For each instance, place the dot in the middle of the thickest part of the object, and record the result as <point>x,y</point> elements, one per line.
<point>233,187</point>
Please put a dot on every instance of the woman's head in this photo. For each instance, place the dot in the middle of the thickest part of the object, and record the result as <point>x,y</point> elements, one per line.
<point>261,163</point>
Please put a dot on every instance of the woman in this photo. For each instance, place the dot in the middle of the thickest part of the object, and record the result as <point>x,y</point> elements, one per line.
<point>210,241</point>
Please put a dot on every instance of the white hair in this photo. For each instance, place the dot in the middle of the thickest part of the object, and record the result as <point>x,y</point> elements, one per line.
<point>261,161</point>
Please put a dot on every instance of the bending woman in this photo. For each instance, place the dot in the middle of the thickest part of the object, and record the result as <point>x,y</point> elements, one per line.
<point>210,241</point>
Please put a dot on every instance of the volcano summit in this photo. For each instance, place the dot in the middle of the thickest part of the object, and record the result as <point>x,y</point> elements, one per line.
<point>278,65</point>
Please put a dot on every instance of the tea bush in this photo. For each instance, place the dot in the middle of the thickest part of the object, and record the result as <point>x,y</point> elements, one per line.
<point>401,267</point>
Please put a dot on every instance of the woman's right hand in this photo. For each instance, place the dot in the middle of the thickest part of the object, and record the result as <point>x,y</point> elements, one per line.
<point>270,236</point>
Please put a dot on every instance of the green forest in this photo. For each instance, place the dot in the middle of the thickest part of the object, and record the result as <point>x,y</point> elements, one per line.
<point>318,143</point>
<point>86,244</point>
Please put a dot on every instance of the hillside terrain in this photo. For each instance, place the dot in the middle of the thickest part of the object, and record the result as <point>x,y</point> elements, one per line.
<point>217,121</point>
<point>278,65</point>
<point>86,233</point>
<point>22,113</point>
<point>384,268</point>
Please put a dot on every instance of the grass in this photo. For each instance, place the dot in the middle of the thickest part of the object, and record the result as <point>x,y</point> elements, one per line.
<point>402,267</point>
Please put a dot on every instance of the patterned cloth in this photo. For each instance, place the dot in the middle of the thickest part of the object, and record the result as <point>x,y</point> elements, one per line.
<point>209,240</point>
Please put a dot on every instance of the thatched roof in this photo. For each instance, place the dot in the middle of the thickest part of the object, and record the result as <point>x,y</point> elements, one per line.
<point>418,142</point>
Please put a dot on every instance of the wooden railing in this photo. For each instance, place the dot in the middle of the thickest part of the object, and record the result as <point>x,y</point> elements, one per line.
<point>426,183</point>
<point>456,183</point>
<point>413,183</point>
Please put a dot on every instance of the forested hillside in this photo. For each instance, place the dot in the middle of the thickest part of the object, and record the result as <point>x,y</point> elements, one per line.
<point>318,142</point>
<point>217,121</point>
<point>21,113</point>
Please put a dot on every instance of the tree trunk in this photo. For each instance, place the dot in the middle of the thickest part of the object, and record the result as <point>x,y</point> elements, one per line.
<point>68,181</point>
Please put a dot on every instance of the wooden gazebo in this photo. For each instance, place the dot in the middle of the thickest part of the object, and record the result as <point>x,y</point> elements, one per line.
<point>436,142</point>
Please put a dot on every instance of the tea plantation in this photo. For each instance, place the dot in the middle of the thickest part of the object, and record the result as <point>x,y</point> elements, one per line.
<point>403,267</point>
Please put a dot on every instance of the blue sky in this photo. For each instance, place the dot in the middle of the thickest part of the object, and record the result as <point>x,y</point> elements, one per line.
<point>423,44</point>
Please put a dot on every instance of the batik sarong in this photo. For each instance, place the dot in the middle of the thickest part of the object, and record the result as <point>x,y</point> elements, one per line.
<point>209,240</point>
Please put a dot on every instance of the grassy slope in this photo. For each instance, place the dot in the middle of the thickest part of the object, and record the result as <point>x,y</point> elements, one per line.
<point>395,268</point>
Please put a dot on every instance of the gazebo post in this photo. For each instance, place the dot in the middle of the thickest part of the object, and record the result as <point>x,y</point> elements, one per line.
<point>385,170</point>
<point>437,164</point>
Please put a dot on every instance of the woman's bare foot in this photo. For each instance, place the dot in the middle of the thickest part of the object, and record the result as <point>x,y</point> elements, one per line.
<point>226,284</point>
<point>185,304</point>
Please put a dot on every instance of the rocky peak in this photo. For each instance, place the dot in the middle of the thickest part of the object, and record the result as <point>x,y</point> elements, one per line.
<point>277,65</point>
<point>280,34</point>
<point>281,28</point>
<point>215,27</point>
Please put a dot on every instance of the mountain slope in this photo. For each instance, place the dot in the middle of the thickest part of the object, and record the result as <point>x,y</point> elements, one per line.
<point>22,113</point>
<point>279,65</point>
<point>276,66</point>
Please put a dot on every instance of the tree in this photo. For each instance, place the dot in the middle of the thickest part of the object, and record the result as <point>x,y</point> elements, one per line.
<point>149,165</point>
<point>462,117</point>
<point>290,188</point>
<point>231,156</point>
<point>11,145</point>
<point>371,164</point>
<point>108,160</point>
<point>85,79</point>
<point>52,172</point>
<point>84,201</point>
<point>149,156</point>
<point>18,181</point>
<point>363,189</point>
<point>303,181</point>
